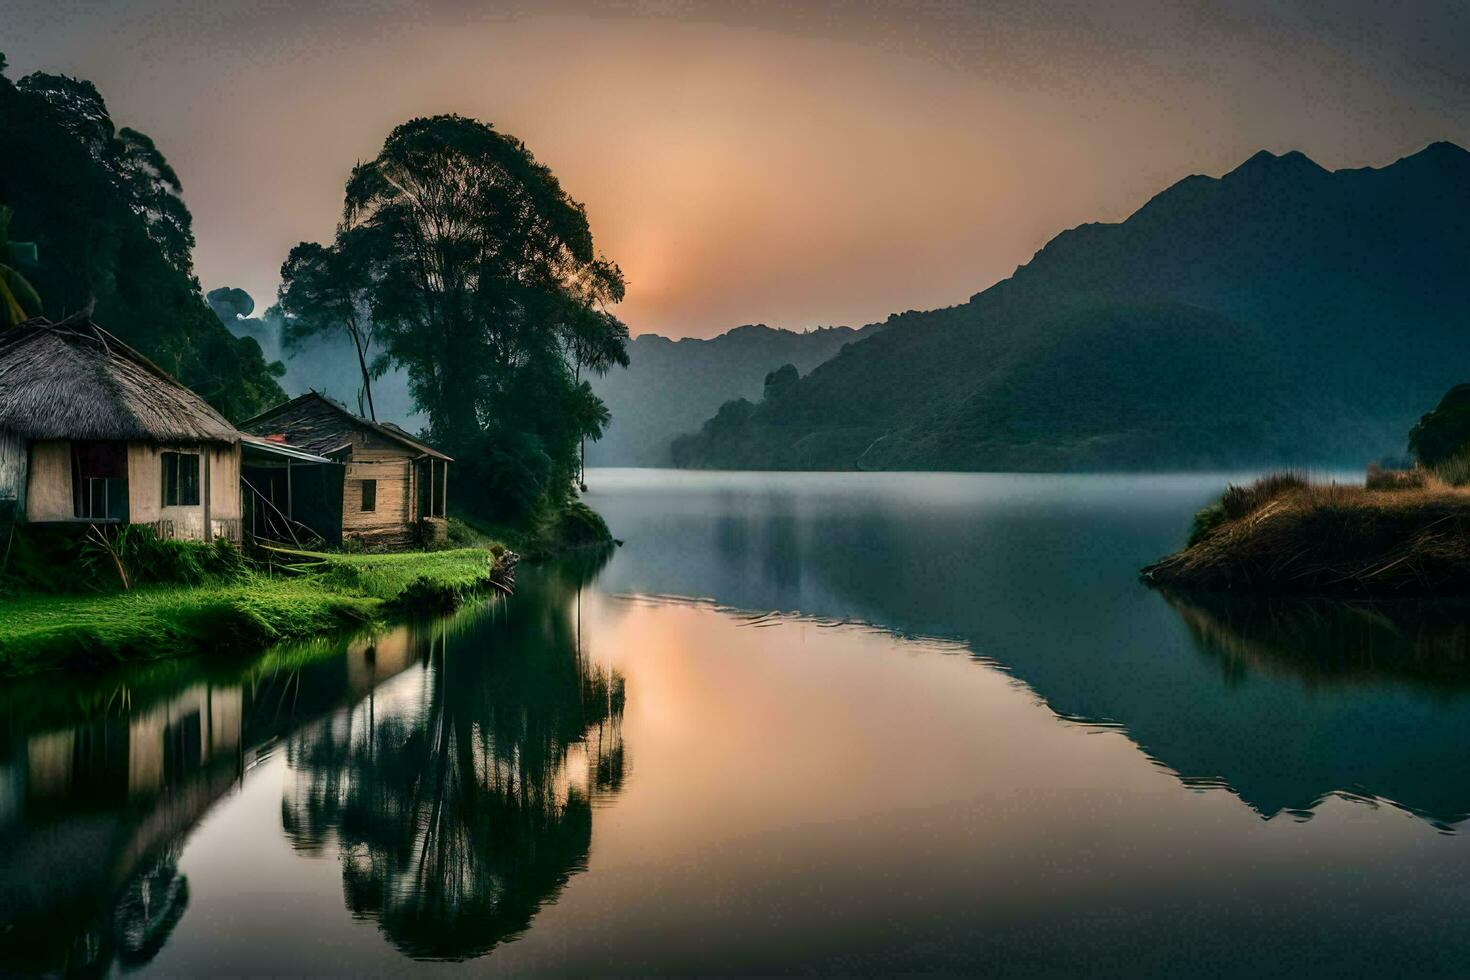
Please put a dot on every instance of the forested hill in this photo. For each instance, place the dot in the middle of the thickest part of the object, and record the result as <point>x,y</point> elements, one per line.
<point>671,386</point>
<point>1279,314</point>
<point>106,215</point>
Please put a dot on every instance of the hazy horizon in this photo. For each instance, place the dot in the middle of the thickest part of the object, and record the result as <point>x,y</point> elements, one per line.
<point>752,164</point>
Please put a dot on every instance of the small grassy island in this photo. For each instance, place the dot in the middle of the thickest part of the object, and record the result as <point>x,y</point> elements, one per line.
<point>1403,534</point>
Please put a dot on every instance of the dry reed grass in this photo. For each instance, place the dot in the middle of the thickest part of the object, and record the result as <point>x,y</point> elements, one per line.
<point>1286,535</point>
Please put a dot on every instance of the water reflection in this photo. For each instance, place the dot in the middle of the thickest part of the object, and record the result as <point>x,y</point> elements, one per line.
<point>1385,685</point>
<point>463,805</point>
<point>1327,642</point>
<point>453,762</point>
<point>1283,707</point>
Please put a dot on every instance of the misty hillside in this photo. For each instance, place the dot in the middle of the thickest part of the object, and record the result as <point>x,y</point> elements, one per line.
<point>1279,314</point>
<point>671,386</point>
<point>326,363</point>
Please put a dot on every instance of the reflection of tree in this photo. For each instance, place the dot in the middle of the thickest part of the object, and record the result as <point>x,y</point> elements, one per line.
<point>460,809</point>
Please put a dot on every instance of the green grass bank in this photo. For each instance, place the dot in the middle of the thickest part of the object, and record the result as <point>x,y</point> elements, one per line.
<point>295,594</point>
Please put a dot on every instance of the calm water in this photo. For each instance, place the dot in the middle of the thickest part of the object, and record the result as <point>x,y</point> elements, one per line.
<point>857,723</point>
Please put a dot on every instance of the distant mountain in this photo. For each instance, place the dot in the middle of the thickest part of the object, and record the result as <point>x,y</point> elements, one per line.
<point>671,386</point>
<point>1280,314</point>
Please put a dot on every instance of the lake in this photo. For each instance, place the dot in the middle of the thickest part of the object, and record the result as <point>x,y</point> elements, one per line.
<point>841,723</point>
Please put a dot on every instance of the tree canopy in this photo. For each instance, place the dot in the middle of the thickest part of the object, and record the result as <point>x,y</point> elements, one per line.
<point>463,256</point>
<point>1444,433</point>
<point>103,209</point>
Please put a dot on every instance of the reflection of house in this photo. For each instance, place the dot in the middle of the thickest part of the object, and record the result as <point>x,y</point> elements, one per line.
<point>394,492</point>
<point>93,814</point>
<point>168,744</point>
<point>92,431</point>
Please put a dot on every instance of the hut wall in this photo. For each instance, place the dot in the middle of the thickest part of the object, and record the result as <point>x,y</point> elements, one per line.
<point>48,484</point>
<point>12,474</point>
<point>224,483</point>
<point>145,491</point>
<point>391,523</point>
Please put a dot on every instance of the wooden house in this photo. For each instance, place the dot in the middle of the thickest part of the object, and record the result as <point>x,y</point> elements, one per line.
<point>394,490</point>
<point>91,431</point>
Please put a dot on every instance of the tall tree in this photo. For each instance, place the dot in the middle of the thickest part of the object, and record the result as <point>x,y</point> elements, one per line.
<point>483,276</point>
<point>98,247</point>
<point>137,167</point>
<point>596,340</point>
<point>325,290</point>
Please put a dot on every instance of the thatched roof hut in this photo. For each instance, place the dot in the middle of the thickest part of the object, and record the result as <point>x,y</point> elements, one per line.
<point>74,380</point>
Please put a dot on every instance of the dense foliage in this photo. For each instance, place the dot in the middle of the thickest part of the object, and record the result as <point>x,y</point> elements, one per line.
<point>18,298</point>
<point>1443,434</point>
<point>476,272</point>
<point>1280,314</point>
<point>104,211</point>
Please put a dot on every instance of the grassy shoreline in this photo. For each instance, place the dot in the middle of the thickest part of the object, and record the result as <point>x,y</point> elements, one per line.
<point>572,528</point>
<point>1283,535</point>
<point>309,593</point>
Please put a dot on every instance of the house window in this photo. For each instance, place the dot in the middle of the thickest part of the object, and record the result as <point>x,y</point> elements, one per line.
<point>369,495</point>
<point>180,479</point>
<point>100,481</point>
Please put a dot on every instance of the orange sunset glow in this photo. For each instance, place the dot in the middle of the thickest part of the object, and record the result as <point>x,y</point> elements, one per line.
<point>754,162</point>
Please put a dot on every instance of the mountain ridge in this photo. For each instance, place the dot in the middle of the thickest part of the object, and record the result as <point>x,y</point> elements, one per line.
<point>672,384</point>
<point>1355,274</point>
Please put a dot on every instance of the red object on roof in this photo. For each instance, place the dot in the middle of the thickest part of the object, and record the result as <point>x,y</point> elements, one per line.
<point>276,437</point>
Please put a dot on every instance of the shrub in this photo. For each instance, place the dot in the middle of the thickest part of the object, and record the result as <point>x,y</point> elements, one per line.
<point>1206,520</point>
<point>77,559</point>
<point>147,558</point>
<point>1238,501</point>
<point>1380,478</point>
<point>581,526</point>
<point>515,473</point>
<point>1454,470</point>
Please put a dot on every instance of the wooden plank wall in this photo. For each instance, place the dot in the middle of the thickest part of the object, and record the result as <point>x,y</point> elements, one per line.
<point>392,522</point>
<point>13,470</point>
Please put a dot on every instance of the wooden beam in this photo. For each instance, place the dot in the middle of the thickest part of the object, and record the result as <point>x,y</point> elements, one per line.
<point>205,456</point>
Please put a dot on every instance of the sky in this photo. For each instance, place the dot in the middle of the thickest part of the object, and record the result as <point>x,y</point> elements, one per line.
<point>795,164</point>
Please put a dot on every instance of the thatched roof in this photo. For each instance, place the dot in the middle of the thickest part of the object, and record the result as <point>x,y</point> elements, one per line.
<point>74,380</point>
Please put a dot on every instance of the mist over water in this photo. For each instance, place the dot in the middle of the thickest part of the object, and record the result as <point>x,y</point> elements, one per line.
<point>833,722</point>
